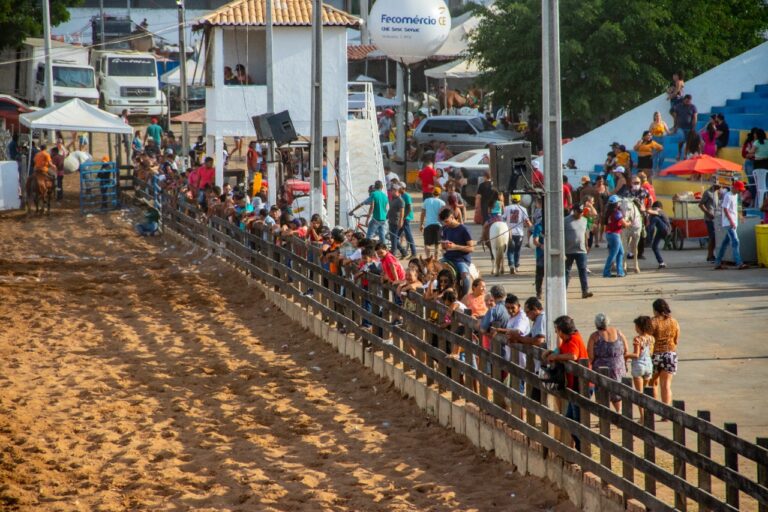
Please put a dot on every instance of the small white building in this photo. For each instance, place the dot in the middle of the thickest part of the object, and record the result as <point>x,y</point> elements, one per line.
<point>236,34</point>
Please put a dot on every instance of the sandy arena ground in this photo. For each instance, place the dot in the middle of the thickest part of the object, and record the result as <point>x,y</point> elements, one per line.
<point>138,375</point>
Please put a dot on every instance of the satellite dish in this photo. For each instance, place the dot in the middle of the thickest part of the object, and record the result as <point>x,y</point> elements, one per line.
<point>409,31</point>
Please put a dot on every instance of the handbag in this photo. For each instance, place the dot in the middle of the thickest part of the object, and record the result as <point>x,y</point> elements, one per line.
<point>553,377</point>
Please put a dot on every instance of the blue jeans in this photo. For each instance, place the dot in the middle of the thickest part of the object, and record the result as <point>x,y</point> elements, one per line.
<point>146,229</point>
<point>463,271</point>
<point>406,230</point>
<point>377,227</point>
<point>615,255</point>
<point>732,238</point>
<point>659,236</point>
<point>513,250</point>
<point>581,265</point>
<point>394,239</point>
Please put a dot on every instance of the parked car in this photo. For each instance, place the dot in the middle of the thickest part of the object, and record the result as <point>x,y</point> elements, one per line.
<point>472,166</point>
<point>10,108</point>
<point>461,133</point>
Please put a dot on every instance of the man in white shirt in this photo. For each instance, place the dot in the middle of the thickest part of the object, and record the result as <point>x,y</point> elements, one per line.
<point>730,207</point>
<point>516,217</point>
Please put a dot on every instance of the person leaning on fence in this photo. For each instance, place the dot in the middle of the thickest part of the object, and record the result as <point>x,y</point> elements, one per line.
<point>458,245</point>
<point>496,317</point>
<point>571,348</point>
<point>536,336</point>
<point>607,348</point>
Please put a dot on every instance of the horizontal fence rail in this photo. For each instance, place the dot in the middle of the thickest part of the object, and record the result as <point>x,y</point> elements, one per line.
<point>715,470</point>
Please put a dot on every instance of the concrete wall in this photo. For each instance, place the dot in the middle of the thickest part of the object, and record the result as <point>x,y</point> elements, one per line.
<point>229,108</point>
<point>584,489</point>
<point>710,89</point>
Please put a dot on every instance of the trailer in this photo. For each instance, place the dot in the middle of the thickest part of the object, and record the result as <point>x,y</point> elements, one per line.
<point>22,73</point>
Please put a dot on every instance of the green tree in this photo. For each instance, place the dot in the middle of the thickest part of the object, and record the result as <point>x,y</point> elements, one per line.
<point>615,54</point>
<point>20,19</point>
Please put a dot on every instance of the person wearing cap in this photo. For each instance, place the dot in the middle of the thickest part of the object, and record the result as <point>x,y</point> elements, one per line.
<point>517,219</point>
<point>614,222</point>
<point>708,204</point>
<point>585,190</point>
<point>730,223</point>
<point>620,181</point>
<point>430,221</point>
<point>537,177</point>
<point>623,158</point>
<point>396,220</point>
<point>155,132</point>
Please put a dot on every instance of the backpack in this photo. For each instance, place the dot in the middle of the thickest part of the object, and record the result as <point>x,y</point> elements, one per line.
<point>553,377</point>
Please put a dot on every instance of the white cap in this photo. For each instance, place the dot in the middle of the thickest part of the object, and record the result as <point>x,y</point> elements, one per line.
<point>619,168</point>
<point>536,164</point>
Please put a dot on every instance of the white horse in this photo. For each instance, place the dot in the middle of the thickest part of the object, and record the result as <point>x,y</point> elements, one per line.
<point>498,240</point>
<point>630,236</point>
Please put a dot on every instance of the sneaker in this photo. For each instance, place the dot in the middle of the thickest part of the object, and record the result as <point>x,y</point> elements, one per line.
<point>587,295</point>
<point>517,270</point>
<point>397,323</point>
<point>719,267</point>
<point>743,266</point>
<point>641,257</point>
<point>309,293</point>
<point>662,265</point>
<point>630,256</point>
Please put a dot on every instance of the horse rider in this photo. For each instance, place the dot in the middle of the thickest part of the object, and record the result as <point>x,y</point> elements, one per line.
<point>43,163</point>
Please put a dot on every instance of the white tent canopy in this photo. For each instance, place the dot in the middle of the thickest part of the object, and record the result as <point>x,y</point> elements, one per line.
<point>75,115</point>
<point>455,69</point>
<point>194,74</point>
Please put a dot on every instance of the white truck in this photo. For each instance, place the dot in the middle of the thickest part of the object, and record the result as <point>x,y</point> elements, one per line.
<point>128,80</point>
<point>22,73</point>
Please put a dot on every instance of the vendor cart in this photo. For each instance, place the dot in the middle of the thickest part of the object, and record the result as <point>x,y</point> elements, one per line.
<point>687,222</point>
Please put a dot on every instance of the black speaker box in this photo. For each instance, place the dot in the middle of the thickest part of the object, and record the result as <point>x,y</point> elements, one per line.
<point>511,167</point>
<point>274,127</point>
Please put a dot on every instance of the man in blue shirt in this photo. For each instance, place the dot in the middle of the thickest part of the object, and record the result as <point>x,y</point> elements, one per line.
<point>430,221</point>
<point>458,246</point>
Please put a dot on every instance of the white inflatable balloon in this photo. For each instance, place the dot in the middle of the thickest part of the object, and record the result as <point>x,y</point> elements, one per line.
<point>409,30</point>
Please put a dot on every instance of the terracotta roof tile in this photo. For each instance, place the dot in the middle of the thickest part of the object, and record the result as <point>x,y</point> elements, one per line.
<point>284,13</point>
<point>357,52</point>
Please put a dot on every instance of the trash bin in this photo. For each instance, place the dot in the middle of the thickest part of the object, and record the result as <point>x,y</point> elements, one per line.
<point>761,241</point>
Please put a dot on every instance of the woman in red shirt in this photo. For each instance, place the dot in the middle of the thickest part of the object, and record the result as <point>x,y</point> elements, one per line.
<point>614,222</point>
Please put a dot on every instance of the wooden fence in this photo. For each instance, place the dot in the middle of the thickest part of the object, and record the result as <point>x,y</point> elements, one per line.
<point>698,466</point>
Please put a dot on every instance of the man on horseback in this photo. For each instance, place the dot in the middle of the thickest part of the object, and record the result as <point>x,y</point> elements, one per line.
<point>43,163</point>
<point>43,179</point>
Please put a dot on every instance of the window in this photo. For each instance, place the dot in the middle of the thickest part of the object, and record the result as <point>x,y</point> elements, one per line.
<point>481,124</point>
<point>72,77</point>
<point>463,127</point>
<point>437,126</point>
<point>131,66</point>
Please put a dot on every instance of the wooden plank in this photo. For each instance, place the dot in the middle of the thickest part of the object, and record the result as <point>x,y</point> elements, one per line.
<point>649,452</point>
<point>731,462</point>
<point>762,473</point>
<point>602,398</point>
<point>585,416</point>
<point>627,440</point>
<point>678,435</point>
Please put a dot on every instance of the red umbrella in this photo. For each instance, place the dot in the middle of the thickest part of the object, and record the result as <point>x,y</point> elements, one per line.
<point>702,164</point>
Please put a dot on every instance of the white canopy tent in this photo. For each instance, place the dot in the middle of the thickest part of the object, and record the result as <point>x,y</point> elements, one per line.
<point>456,69</point>
<point>458,38</point>
<point>194,75</point>
<point>75,115</point>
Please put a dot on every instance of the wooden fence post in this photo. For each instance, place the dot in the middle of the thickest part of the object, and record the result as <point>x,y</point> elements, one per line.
<point>762,472</point>
<point>496,370</point>
<point>514,380</point>
<point>649,453</point>
<point>586,417</point>
<point>704,447</point>
<point>602,398</point>
<point>627,441</point>
<point>678,436</point>
<point>731,462</point>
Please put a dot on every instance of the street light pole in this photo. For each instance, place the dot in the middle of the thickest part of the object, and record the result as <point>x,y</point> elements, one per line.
<point>316,195</point>
<point>271,152</point>
<point>48,61</point>
<point>183,73</point>
<point>554,247</point>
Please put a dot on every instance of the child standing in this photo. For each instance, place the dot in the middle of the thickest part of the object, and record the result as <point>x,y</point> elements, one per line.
<point>642,364</point>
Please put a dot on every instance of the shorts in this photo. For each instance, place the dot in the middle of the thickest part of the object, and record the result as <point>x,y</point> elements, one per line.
<point>665,361</point>
<point>432,234</point>
<point>642,370</point>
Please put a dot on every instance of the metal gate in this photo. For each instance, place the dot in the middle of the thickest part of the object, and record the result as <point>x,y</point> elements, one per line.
<point>99,187</point>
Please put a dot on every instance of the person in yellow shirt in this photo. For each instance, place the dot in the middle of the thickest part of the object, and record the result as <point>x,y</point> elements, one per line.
<point>623,158</point>
<point>646,147</point>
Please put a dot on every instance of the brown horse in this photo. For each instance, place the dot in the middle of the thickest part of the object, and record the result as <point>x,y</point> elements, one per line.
<point>40,187</point>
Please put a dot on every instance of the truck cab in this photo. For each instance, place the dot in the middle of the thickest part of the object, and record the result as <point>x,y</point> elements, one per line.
<point>70,80</point>
<point>128,80</point>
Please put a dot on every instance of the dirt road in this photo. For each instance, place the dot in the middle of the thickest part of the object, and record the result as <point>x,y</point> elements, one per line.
<point>138,375</point>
